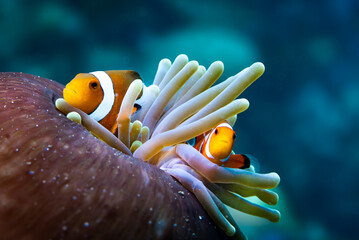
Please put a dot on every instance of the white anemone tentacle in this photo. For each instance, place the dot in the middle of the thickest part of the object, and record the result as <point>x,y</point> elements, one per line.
<point>180,105</point>
<point>202,194</point>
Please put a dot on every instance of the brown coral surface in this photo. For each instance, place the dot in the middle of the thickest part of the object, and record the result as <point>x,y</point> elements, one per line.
<point>57,181</point>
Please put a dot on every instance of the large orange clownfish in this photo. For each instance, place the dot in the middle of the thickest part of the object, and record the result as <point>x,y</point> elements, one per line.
<point>216,145</point>
<point>100,94</point>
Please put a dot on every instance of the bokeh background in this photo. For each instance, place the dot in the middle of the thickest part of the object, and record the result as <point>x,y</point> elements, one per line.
<point>304,113</point>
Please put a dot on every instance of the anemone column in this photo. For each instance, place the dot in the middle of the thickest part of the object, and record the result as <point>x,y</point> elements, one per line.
<point>58,181</point>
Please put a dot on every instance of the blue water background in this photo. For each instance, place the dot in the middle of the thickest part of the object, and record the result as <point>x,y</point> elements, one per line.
<point>303,121</point>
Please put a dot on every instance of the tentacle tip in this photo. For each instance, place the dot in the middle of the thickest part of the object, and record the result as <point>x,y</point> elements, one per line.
<point>274,201</point>
<point>276,216</point>
<point>219,64</point>
<point>75,117</point>
<point>194,63</point>
<point>230,231</point>
<point>137,122</point>
<point>276,177</point>
<point>259,66</point>
<point>135,145</point>
<point>165,61</point>
<point>202,68</point>
<point>138,81</point>
<point>182,56</point>
<point>59,101</point>
<point>243,102</point>
<point>154,89</point>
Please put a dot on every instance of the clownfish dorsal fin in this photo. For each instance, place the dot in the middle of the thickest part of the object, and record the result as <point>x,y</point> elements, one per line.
<point>122,79</point>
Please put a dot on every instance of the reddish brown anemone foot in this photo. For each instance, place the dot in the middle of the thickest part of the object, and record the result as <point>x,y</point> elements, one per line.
<point>57,181</point>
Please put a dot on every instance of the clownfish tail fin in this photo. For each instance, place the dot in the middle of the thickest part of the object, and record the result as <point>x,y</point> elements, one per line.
<point>238,161</point>
<point>246,161</point>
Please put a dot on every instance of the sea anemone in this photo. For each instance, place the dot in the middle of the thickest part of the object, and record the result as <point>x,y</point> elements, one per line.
<point>57,181</point>
<point>180,105</point>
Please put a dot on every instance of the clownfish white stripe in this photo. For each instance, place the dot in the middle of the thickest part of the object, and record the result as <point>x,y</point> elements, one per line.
<point>108,96</point>
<point>208,138</point>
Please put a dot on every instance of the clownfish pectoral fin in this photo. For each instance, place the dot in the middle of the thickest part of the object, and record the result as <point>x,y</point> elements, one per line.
<point>136,107</point>
<point>237,161</point>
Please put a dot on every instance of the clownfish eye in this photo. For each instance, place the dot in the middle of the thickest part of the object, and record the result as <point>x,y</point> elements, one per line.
<point>234,136</point>
<point>216,131</point>
<point>93,85</point>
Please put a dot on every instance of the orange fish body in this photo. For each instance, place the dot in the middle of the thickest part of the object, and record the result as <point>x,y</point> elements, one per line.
<point>216,145</point>
<point>100,94</point>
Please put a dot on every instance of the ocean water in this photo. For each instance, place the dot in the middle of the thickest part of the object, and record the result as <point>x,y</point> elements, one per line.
<point>304,112</point>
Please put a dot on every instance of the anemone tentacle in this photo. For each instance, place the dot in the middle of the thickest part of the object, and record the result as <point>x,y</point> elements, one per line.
<point>241,82</point>
<point>123,119</point>
<point>168,91</point>
<point>183,133</point>
<point>264,195</point>
<point>149,96</point>
<point>175,68</point>
<point>180,105</point>
<point>193,79</point>
<point>203,83</point>
<point>94,127</point>
<point>192,106</point>
<point>163,68</point>
<point>198,188</point>
<point>135,130</point>
<point>239,203</point>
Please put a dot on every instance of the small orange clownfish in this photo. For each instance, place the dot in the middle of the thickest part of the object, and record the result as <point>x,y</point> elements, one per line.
<point>100,94</point>
<point>216,145</point>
